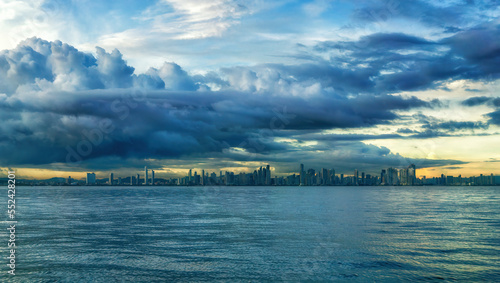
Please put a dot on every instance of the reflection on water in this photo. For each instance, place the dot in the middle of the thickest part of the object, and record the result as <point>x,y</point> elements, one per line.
<point>143,234</point>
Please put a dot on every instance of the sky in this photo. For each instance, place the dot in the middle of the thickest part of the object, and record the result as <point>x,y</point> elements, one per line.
<point>112,86</point>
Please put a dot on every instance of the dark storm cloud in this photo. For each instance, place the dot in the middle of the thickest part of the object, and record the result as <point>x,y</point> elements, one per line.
<point>347,137</point>
<point>65,105</point>
<point>480,46</point>
<point>394,62</point>
<point>406,131</point>
<point>455,125</point>
<point>171,124</point>
<point>479,100</point>
<point>494,117</point>
<point>476,100</point>
<point>380,42</point>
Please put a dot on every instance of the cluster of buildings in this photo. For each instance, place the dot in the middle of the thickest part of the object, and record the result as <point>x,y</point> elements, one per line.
<point>325,177</point>
<point>131,180</point>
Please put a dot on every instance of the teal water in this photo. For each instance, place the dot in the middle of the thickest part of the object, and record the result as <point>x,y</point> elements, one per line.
<point>234,234</point>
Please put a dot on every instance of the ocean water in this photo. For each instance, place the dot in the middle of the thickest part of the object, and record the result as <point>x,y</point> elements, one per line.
<point>235,234</point>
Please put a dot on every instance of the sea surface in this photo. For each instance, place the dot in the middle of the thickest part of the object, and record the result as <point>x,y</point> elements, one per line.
<point>254,234</point>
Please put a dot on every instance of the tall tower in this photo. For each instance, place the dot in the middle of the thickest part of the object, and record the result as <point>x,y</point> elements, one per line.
<point>324,176</point>
<point>268,175</point>
<point>202,177</point>
<point>90,178</point>
<point>356,177</point>
<point>412,175</point>
<point>110,179</point>
<point>137,180</point>
<point>146,174</point>
<point>152,177</point>
<point>302,175</point>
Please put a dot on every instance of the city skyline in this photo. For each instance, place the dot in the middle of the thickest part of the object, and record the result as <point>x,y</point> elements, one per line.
<point>106,87</point>
<point>263,176</point>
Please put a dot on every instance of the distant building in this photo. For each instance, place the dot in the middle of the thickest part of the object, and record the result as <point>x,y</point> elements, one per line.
<point>268,175</point>
<point>152,177</point>
<point>302,175</point>
<point>110,179</point>
<point>412,175</point>
<point>90,179</point>
<point>146,175</point>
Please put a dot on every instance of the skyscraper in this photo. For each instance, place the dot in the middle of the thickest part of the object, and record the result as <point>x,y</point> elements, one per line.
<point>324,176</point>
<point>90,178</point>
<point>152,177</point>
<point>268,175</point>
<point>146,175</point>
<point>356,177</point>
<point>302,175</point>
<point>412,175</point>
<point>110,179</point>
<point>138,180</point>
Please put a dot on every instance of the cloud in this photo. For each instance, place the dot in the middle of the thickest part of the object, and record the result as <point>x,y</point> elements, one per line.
<point>191,19</point>
<point>98,108</point>
<point>479,46</point>
<point>456,125</point>
<point>494,117</point>
<point>476,100</point>
<point>429,13</point>
<point>406,131</point>
<point>36,64</point>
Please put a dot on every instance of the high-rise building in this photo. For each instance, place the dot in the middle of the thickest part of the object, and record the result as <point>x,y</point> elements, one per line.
<point>412,175</point>
<point>138,180</point>
<point>152,177</point>
<point>190,176</point>
<point>392,176</point>
<point>90,178</point>
<point>332,177</point>
<point>110,181</point>
<point>268,175</point>
<point>356,177</point>
<point>146,175</point>
<point>324,176</point>
<point>202,177</point>
<point>302,175</point>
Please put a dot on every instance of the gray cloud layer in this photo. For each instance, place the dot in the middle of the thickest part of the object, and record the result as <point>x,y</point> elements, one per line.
<point>65,105</point>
